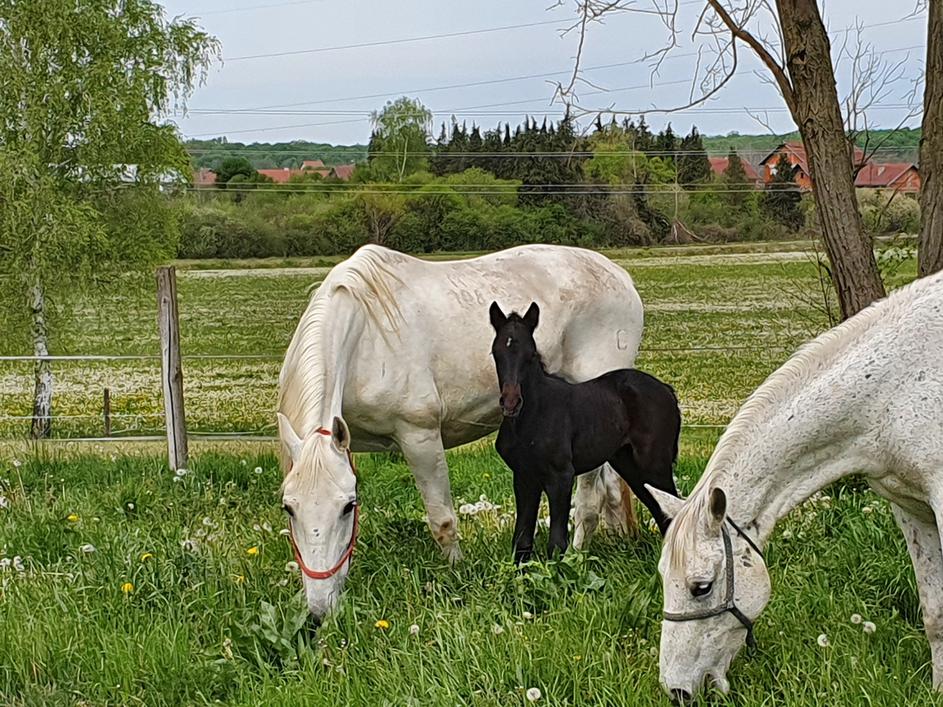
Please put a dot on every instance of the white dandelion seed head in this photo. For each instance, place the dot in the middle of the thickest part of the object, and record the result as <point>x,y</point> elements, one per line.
<point>414,630</point>
<point>257,528</point>
<point>189,545</point>
<point>4,502</point>
<point>787,534</point>
<point>533,694</point>
<point>291,566</point>
<point>856,619</point>
<point>822,640</point>
<point>177,478</point>
<point>18,564</point>
<point>867,509</point>
<point>267,527</point>
<point>88,548</point>
<point>284,531</point>
<point>200,533</point>
<point>527,615</point>
<point>130,506</point>
<point>466,509</point>
<point>17,463</point>
<point>258,470</point>
<point>208,522</point>
<point>497,630</point>
<point>181,472</point>
<point>868,627</point>
<point>5,563</point>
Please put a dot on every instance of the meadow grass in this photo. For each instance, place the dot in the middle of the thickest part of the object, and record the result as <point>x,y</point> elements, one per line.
<point>203,556</point>
<point>186,598</point>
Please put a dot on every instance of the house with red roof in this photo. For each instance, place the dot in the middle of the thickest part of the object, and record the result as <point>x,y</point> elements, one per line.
<point>719,167</point>
<point>343,171</point>
<point>902,176</point>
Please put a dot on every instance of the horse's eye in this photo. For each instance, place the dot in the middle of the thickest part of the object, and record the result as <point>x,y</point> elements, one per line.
<point>289,510</point>
<point>701,589</point>
<point>349,508</point>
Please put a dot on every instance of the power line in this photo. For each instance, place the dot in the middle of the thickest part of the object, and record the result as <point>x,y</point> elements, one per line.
<point>387,42</point>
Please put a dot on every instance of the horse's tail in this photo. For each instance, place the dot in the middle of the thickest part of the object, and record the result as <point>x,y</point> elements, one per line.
<point>628,508</point>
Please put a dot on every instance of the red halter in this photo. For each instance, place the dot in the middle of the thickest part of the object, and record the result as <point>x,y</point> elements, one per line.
<point>348,553</point>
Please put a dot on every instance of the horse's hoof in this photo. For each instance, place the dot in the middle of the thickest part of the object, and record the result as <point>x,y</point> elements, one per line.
<point>453,553</point>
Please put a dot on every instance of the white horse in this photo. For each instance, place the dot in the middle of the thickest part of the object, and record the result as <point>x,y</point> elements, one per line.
<point>865,397</point>
<point>394,351</point>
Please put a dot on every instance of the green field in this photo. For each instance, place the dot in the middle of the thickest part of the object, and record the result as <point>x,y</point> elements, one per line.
<point>202,557</point>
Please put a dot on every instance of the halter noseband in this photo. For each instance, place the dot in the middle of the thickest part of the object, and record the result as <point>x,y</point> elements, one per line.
<point>728,604</point>
<point>348,553</point>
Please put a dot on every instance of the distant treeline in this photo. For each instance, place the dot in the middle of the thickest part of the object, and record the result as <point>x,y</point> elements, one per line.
<point>900,145</point>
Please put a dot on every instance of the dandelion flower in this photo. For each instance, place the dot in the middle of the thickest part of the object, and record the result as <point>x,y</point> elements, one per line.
<point>577,658</point>
<point>868,627</point>
<point>88,548</point>
<point>382,624</point>
<point>856,619</point>
<point>189,545</point>
<point>466,509</point>
<point>130,506</point>
<point>414,630</point>
<point>238,578</point>
<point>4,502</point>
<point>533,694</point>
<point>291,566</point>
<point>181,472</point>
<point>208,522</point>
<point>18,564</point>
<point>267,527</point>
<point>258,470</point>
<point>257,528</point>
<point>127,587</point>
<point>527,615</point>
<point>253,551</point>
<point>497,630</point>
<point>822,640</point>
<point>146,556</point>
<point>4,563</point>
<point>17,463</point>
<point>72,518</point>
<point>867,510</point>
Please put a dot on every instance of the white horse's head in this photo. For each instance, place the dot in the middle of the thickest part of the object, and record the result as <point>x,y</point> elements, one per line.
<point>319,494</point>
<point>715,584</point>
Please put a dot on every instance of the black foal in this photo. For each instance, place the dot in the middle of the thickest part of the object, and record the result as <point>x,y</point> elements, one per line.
<point>553,430</point>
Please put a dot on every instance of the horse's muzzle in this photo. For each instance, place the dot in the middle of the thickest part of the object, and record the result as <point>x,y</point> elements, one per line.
<point>511,400</point>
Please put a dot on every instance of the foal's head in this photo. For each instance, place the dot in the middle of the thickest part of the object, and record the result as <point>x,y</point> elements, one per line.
<point>514,351</point>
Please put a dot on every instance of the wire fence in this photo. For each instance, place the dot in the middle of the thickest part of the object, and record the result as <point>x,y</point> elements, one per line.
<point>132,435</point>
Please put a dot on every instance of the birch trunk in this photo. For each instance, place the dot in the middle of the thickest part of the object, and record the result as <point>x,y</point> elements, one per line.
<point>42,370</point>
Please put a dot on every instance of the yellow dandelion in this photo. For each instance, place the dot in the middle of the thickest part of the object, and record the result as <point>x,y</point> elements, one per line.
<point>253,551</point>
<point>72,518</point>
<point>382,624</point>
<point>577,657</point>
<point>146,556</point>
<point>127,587</point>
<point>238,578</point>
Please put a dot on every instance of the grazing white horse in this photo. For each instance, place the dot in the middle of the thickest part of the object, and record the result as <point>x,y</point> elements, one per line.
<point>865,397</point>
<point>394,351</point>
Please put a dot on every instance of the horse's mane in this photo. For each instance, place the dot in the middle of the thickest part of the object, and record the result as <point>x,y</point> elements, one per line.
<point>809,359</point>
<point>370,280</point>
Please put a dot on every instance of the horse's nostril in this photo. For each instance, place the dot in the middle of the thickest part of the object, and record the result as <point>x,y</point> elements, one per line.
<point>679,697</point>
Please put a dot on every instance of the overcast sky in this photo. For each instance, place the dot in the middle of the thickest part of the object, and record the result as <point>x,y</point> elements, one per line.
<point>326,95</point>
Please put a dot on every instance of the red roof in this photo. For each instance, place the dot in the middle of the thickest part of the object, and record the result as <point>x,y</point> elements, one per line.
<point>312,164</point>
<point>204,177</point>
<point>719,166</point>
<point>797,149</point>
<point>343,171</point>
<point>281,176</point>
<point>882,174</point>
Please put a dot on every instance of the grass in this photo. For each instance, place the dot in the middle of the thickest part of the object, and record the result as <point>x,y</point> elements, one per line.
<point>206,622</point>
<point>718,298</point>
<point>195,628</point>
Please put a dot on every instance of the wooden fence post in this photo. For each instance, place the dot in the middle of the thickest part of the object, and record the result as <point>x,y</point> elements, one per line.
<point>170,368</point>
<point>106,411</point>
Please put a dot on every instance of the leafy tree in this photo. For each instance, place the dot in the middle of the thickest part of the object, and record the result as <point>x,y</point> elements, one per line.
<point>693,166</point>
<point>782,201</point>
<point>735,180</point>
<point>401,139</point>
<point>85,152</point>
<point>232,166</point>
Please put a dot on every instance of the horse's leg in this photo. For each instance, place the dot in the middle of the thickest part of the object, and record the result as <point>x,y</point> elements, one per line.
<point>923,541</point>
<point>426,458</point>
<point>559,489</point>
<point>589,500</point>
<point>636,477</point>
<point>527,500</point>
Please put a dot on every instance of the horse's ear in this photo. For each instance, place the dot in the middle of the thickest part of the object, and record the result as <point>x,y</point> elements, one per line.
<point>340,433</point>
<point>498,319</point>
<point>669,504</point>
<point>289,438</point>
<point>532,316</point>
<point>717,505</point>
